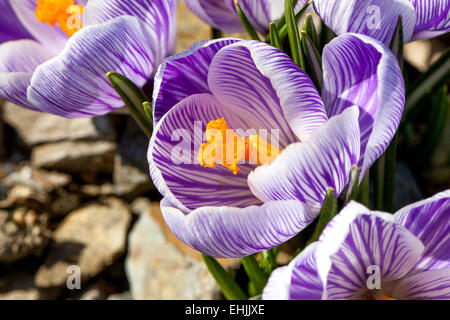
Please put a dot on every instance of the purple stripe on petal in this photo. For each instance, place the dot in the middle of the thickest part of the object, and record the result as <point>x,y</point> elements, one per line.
<point>361,71</point>
<point>158,15</point>
<point>429,220</point>
<point>306,283</point>
<point>375,18</point>
<point>183,75</point>
<point>18,61</point>
<point>173,161</point>
<point>432,15</point>
<point>305,171</point>
<point>428,285</point>
<point>236,232</point>
<point>257,79</point>
<point>357,239</point>
<point>74,84</point>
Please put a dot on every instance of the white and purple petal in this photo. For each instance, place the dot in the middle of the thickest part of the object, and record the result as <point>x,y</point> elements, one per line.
<point>433,18</point>
<point>174,167</point>
<point>429,220</point>
<point>426,285</point>
<point>305,171</point>
<point>227,232</point>
<point>18,60</point>
<point>74,83</point>
<point>357,239</point>
<point>158,15</point>
<point>359,70</point>
<point>53,38</point>
<point>184,74</point>
<point>263,84</point>
<point>375,18</point>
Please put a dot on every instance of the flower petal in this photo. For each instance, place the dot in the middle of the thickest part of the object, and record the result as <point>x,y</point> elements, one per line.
<point>264,84</point>
<point>432,15</point>
<point>357,239</point>
<point>175,169</point>
<point>217,13</point>
<point>159,16</point>
<point>53,38</point>
<point>375,18</point>
<point>227,232</point>
<point>18,60</point>
<point>74,84</point>
<point>305,171</point>
<point>277,287</point>
<point>361,71</point>
<point>183,75</point>
<point>10,26</point>
<point>429,220</point>
<point>428,285</point>
<point>306,283</point>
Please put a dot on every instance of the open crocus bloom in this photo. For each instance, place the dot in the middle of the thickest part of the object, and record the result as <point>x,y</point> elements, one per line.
<point>378,18</point>
<point>61,50</point>
<point>374,255</point>
<point>244,89</point>
<point>222,13</point>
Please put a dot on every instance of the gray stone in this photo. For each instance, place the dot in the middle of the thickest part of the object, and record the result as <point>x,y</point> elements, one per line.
<point>76,157</point>
<point>38,128</point>
<point>92,238</point>
<point>22,232</point>
<point>159,269</point>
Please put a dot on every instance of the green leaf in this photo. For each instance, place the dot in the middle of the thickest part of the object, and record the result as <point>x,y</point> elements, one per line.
<point>268,261</point>
<point>435,126</point>
<point>313,60</point>
<point>245,22</point>
<point>255,274</point>
<point>281,24</point>
<point>328,211</point>
<point>429,83</point>
<point>229,287</point>
<point>363,191</point>
<point>294,35</point>
<point>353,185</point>
<point>134,98</point>
<point>274,36</point>
<point>148,109</point>
<point>310,29</point>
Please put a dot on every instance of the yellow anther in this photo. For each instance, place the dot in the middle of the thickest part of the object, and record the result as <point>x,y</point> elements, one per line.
<point>226,147</point>
<point>64,12</point>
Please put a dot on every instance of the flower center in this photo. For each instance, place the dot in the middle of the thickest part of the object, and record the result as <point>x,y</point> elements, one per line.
<point>64,12</point>
<point>226,147</point>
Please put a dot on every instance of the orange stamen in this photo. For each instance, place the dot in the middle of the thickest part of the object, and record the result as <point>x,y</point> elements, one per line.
<point>226,147</point>
<point>64,12</point>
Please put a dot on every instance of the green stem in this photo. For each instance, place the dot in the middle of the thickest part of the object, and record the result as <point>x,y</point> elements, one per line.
<point>274,36</point>
<point>245,22</point>
<point>363,191</point>
<point>389,176</point>
<point>229,287</point>
<point>353,185</point>
<point>254,272</point>
<point>328,211</point>
<point>294,35</point>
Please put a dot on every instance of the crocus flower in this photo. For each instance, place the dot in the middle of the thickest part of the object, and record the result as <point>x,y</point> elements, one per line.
<point>364,254</point>
<point>378,18</point>
<point>236,208</point>
<point>222,14</point>
<point>61,50</point>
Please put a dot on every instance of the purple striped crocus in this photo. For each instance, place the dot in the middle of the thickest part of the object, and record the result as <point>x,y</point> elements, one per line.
<point>54,54</point>
<point>378,18</point>
<point>239,208</point>
<point>222,14</point>
<point>364,254</point>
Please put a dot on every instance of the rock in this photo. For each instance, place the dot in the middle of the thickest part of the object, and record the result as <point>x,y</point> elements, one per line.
<point>121,296</point>
<point>157,269</point>
<point>39,180</point>
<point>91,238</point>
<point>76,157</point>
<point>22,232</point>
<point>38,128</point>
<point>19,286</point>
